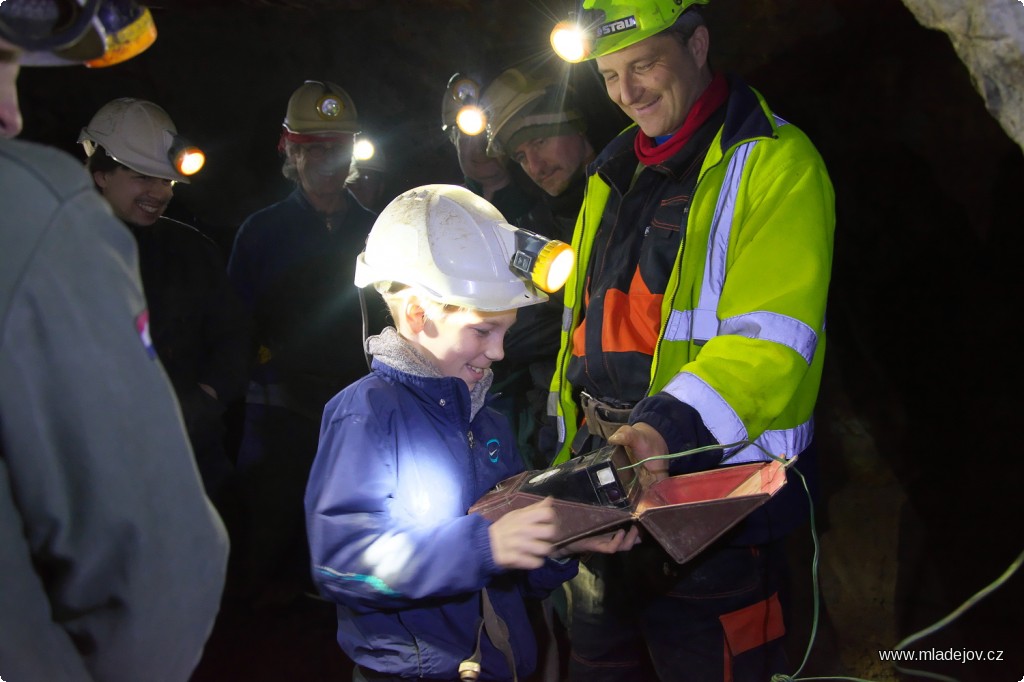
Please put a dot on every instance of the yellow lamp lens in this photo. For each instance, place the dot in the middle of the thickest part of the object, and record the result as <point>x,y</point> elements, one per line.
<point>570,42</point>
<point>551,270</point>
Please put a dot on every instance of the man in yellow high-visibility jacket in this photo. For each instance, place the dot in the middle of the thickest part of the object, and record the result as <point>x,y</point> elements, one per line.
<point>694,317</point>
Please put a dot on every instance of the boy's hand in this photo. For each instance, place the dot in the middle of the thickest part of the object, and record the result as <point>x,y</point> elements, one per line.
<point>522,538</point>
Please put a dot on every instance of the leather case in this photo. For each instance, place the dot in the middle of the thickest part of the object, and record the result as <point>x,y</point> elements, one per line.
<point>683,513</point>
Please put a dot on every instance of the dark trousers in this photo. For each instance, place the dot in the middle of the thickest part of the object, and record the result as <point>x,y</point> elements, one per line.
<point>639,616</point>
<point>277,451</point>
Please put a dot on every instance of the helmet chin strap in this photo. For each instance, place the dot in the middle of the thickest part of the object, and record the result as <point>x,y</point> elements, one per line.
<point>365,325</point>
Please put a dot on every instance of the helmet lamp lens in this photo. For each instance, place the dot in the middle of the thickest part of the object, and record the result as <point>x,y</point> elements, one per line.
<point>329,107</point>
<point>471,120</point>
<point>363,150</point>
<point>186,158</point>
<point>553,266</point>
<point>544,262</point>
<point>570,42</point>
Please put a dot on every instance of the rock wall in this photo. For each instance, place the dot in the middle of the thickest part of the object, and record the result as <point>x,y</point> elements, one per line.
<point>989,38</point>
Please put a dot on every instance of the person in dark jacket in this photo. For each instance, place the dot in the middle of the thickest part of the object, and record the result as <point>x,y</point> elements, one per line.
<point>487,176</point>
<point>197,324</point>
<point>113,559</point>
<point>292,264</point>
<point>405,452</point>
<point>535,123</point>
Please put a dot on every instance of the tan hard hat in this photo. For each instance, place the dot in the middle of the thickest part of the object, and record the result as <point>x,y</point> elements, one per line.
<point>319,107</point>
<point>508,95</point>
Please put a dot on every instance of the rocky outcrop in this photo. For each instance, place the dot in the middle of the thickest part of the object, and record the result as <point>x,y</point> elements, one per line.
<point>989,38</point>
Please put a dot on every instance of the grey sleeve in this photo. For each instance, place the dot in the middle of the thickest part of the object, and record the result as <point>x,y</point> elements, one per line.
<point>113,560</point>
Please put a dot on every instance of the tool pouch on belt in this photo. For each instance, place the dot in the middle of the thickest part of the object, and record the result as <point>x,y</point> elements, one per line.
<point>602,420</point>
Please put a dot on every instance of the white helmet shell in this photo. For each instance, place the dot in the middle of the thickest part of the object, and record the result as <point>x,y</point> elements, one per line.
<point>135,133</point>
<point>450,242</point>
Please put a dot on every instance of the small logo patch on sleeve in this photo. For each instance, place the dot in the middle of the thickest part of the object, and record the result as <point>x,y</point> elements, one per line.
<point>142,327</point>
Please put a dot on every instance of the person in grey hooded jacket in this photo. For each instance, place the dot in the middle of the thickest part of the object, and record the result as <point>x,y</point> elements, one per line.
<point>113,558</point>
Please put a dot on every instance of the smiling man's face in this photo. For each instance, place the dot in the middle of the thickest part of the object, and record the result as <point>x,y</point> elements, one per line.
<point>657,80</point>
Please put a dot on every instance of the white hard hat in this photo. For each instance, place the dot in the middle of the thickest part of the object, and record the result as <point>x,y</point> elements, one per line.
<point>139,135</point>
<point>458,247</point>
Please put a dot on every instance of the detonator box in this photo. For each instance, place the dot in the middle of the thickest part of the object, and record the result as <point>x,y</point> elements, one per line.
<point>602,491</point>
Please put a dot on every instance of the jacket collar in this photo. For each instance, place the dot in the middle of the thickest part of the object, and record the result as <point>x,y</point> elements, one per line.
<point>745,118</point>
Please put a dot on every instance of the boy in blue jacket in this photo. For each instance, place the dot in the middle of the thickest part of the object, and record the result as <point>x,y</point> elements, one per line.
<point>406,450</point>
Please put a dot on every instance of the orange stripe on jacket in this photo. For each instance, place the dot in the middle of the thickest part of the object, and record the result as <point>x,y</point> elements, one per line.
<point>631,321</point>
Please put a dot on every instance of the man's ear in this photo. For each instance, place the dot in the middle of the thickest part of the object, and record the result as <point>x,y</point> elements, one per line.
<point>698,45</point>
<point>100,178</point>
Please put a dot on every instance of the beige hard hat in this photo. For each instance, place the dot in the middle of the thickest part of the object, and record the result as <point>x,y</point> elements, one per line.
<point>320,108</point>
<point>509,93</point>
<point>137,134</point>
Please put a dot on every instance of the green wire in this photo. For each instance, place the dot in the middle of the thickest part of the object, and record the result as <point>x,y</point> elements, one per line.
<point>938,625</point>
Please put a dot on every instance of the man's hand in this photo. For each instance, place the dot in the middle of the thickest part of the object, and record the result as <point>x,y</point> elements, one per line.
<point>606,543</point>
<point>642,441</point>
<point>522,538</point>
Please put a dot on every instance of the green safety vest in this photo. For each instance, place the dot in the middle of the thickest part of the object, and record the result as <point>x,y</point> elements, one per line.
<point>742,328</point>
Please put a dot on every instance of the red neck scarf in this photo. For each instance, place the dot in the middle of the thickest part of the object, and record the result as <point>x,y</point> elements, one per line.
<point>650,152</point>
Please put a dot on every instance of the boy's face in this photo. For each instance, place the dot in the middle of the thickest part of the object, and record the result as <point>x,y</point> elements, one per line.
<point>464,343</point>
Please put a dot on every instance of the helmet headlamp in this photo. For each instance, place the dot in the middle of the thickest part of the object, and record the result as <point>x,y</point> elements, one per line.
<point>129,31</point>
<point>363,150</point>
<point>329,107</point>
<point>464,94</point>
<point>185,157</point>
<point>471,119</point>
<point>62,32</point>
<point>605,26</point>
<point>545,262</point>
<point>571,41</point>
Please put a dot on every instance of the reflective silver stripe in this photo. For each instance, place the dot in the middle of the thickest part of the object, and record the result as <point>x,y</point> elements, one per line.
<point>783,329</point>
<point>566,319</point>
<point>703,324</point>
<point>722,421</point>
<point>553,403</point>
<point>785,443</point>
<point>726,426</point>
<point>705,318</point>
<point>560,423</point>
